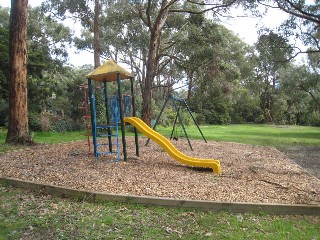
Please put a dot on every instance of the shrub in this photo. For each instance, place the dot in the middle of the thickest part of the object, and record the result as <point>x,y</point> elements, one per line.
<point>67,125</point>
<point>4,108</point>
<point>200,118</point>
<point>34,121</point>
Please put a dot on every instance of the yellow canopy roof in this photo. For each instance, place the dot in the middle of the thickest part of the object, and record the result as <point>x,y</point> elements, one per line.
<point>108,71</point>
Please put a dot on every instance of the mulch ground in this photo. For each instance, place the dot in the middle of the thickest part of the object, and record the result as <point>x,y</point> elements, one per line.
<point>249,173</point>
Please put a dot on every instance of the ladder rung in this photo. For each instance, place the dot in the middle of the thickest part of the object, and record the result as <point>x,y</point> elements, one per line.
<point>106,135</point>
<point>106,144</point>
<point>106,126</point>
<point>107,152</point>
<point>103,144</point>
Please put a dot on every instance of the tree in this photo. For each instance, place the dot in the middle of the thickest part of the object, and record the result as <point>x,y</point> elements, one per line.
<point>18,130</point>
<point>303,23</point>
<point>4,64</point>
<point>80,11</point>
<point>154,15</point>
<point>216,56</point>
<point>273,52</point>
<point>299,89</point>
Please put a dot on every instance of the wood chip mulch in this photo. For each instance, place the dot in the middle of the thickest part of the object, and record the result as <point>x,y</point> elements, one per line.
<point>249,173</point>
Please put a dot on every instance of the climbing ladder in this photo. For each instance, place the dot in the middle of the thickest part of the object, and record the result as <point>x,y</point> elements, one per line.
<point>110,131</point>
<point>86,115</point>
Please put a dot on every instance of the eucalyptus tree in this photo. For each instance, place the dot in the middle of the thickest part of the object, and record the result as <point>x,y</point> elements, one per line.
<point>47,42</point>
<point>272,54</point>
<point>303,23</point>
<point>220,57</point>
<point>300,87</point>
<point>154,15</point>
<point>18,128</point>
<point>4,53</point>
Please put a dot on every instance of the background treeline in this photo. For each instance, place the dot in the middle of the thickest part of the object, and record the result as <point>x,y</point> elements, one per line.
<point>225,80</point>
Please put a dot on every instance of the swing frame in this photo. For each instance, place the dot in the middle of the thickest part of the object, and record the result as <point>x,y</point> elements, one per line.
<point>182,102</point>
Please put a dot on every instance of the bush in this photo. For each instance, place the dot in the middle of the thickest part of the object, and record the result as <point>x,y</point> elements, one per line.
<point>213,117</point>
<point>67,125</point>
<point>200,118</point>
<point>4,112</point>
<point>34,121</point>
<point>315,119</point>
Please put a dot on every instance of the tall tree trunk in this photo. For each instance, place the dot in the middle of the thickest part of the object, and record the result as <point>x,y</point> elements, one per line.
<point>152,65</point>
<point>96,34</point>
<point>18,129</point>
<point>153,58</point>
<point>190,84</point>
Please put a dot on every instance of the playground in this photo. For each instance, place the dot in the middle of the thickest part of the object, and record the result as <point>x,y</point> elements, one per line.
<point>250,173</point>
<point>215,171</point>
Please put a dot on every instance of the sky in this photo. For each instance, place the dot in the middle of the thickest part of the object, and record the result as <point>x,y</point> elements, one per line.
<point>245,27</point>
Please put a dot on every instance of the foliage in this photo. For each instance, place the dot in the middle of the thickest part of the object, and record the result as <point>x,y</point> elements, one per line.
<point>303,25</point>
<point>245,107</point>
<point>214,70</point>
<point>273,51</point>
<point>4,53</point>
<point>47,51</point>
<point>4,108</point>
<point>226,80</point>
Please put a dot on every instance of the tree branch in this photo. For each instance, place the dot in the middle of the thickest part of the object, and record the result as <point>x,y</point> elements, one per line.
<point>215,6</point>
<point>298,12</point>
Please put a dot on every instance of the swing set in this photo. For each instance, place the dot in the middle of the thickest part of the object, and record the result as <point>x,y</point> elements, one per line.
<point>178,103</point>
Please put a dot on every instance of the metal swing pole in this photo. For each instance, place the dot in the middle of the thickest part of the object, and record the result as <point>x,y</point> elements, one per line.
<point>154,127</point>
<point>194,120</point>
<point>180,120</point>
<point>175,122</point>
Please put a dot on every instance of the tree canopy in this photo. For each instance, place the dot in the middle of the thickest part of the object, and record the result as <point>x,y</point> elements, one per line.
<point>173,44</point>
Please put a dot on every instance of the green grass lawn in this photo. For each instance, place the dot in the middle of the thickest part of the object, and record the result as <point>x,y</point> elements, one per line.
<point>44,137</point>
<point>258,134</point>
<point>25,215</point>
<point>29,216</point>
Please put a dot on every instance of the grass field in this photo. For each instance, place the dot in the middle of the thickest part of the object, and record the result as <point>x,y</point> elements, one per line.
<point>25,215</point>
<point>258,134</point>
<point>43,137</point>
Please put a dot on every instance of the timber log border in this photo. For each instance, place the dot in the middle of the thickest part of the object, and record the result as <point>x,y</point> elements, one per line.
<point>98,197</point>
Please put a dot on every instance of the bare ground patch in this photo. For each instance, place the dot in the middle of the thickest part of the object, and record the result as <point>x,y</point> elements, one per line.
<point>306,157</point>
<point>249,173</point>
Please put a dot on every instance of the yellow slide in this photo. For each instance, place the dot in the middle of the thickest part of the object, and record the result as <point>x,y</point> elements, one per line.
<point>170,149</point>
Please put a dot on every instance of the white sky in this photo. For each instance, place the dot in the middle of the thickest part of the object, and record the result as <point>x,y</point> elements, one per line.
<point>245,27</point>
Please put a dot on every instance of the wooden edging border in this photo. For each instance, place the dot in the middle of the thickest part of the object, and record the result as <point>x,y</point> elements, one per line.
<point>235,207</point>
